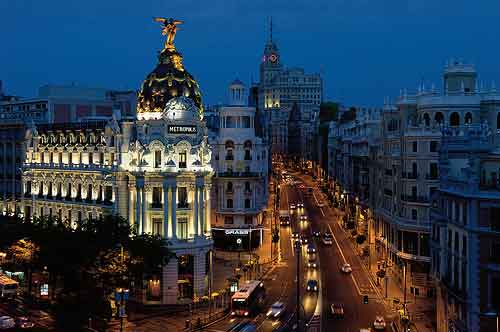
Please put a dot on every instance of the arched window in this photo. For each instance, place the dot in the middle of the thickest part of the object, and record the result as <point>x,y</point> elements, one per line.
<point>247,203</point>
<point>229,150</point>
<point>229,203</point>
<point>427,120</point>
<point>468,118</point>
<point>229,187</point>
<point>248,150</point>
<point>439,117</point>
<point>454,119</point>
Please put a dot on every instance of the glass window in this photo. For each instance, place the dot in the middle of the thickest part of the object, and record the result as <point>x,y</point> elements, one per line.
<point>229,203</point>
<point>414,146</point>
<point>433,146</point>
<point>157,226</point>
<point>247,203</point>
<point>157,159</point>
<point>228,220</point>
<point>231,121</point>
<point>182,159</point>
<point>414,214</point>
<point>182,228</point>
<point>157,197</point>
<point>245,122</point>
<point>183,199</point>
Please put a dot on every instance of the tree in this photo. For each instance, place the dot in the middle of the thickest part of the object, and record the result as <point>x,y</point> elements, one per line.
<point>23,253</point>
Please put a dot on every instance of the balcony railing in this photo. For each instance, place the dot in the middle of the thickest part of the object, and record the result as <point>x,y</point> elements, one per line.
<point>415,199</point>
<point>237,174</point>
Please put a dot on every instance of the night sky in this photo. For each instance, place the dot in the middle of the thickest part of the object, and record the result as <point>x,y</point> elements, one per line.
<point>366,49</point>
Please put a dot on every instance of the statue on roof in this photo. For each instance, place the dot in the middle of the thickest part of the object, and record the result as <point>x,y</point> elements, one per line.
<point>169,29</point>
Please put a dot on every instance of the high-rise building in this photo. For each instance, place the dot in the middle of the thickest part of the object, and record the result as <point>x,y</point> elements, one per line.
<point>279,89</point>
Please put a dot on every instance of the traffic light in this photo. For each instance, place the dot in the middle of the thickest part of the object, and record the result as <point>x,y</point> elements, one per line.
<point>365,299</point>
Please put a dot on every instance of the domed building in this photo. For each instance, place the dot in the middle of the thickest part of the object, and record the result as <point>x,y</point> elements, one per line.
<point>154,170</point>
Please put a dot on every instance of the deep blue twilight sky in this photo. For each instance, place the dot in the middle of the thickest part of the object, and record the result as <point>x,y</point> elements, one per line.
<point>366,49</point>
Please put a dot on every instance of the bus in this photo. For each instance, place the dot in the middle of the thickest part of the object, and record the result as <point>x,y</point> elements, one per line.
<point>248,300</point>
<point>8,287</point>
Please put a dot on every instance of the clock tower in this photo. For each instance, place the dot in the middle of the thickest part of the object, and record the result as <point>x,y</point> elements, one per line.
<point>270,69</point>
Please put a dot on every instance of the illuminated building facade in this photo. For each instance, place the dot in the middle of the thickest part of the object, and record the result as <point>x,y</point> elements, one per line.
<point>241,163</point>
<point>154,170</point>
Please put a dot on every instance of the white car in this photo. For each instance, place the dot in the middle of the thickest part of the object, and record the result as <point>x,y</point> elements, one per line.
<point>7,322</point>
<point>276,310</point>
<point>379,323</point>
<point>327,241</point>
<point>346,268</point>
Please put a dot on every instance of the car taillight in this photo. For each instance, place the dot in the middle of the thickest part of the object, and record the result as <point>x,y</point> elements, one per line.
<point>246,313</point>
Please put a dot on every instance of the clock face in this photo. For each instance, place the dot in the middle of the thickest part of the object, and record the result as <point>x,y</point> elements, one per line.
<point>273,58</point>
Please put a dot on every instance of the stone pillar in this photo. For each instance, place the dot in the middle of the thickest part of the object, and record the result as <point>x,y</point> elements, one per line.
<point>169,289</point>
<point>202,212</point>
<point>195,214</point>
<point>199,274</point>
<point>208,213</point>
<point>174,210</point>
<point>166,228</point>
<point>138,204</point>
<point>143,210</point>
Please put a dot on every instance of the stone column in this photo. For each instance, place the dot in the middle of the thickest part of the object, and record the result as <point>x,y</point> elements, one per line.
<point>195,214</point>
<point>208,213</point>
<point>174,210</point>
<point>138,204</point>
<point>202,211</point>
<point>169,289</point>
<point>166,227</point>
<point>199,274</point>
<point>143,210</point>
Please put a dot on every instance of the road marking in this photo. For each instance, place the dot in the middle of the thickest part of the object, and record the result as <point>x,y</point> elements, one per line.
<point>343,257</point>
<point>317,204</point>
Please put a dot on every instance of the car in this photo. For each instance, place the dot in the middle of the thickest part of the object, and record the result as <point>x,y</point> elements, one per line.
<point>7,322</point>
<point>304,239</point>
<point>327,240</point>
<point>312,285</point>
<point>316,234</point>
<point>320,204</point>
<point>311,263</point>
<point>23,322</point>
<point>346,268</point>
<point>337,310</point>
<point>300,204</point>
<point>328,233</point>
<point>285,220</point>
<point>311,249</point>
<point>379,323</point>
<point>301,186</point>
<point>277,309</point>
<point>304,218</point>
<point>292,206</point>
<point>295,235</point>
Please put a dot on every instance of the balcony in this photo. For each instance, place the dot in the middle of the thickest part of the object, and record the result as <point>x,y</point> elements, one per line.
<point>415,199</point>
<point>183,205</point>
<point>238,174</point>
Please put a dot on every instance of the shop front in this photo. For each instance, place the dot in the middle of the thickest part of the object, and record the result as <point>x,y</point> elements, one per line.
<point>237,239</point>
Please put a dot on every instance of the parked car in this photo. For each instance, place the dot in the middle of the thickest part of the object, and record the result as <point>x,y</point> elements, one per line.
<point>312,285</point>
<point>277,309</point>
<point>295,235</point>
<point>304,218</point>
<point>317,234</point>
<point>285,220</point>
<point>379,323</point>
<point>7,322</point>
<point>300,204</point>
<point>311,249</point>
<point>346,268</point>
<point>337,310</point>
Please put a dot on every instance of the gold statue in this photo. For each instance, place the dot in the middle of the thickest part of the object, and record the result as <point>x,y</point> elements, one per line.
<point>169,29</point>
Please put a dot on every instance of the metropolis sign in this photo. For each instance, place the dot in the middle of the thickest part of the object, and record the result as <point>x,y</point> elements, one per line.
<point>172,129</point>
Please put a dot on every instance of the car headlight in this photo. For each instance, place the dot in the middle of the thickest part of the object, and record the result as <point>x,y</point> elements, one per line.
<point>246,313</point>
<point>308,288</point>
<point>233,313</point>
<point>269,313</point>
<point>315,288</point>
<point>277,314</point>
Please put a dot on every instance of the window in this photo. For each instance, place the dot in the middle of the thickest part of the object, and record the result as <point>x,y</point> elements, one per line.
<point>157,159</point>
<point>247,203</point>
<point>49,190</point>
<point>108,193</point>
<point>454,119</point>
<point>414,146</point>
<point>68,192</point>
<point>439,117</point>
<point>229,187</point>
<point>229,203</point>
<point>434,146</point>
<point>427,120</point>
<point>468,118</point>
<point>245,122</point>
<point>101,158</point>
<point>248,220</point>
<point>156,198</point>
<point>79,191</point>
<point>495,219</point>
<point>228,220</point>
<point>89,192</point>
<point>433,171</point>
<point>157,226</point>
<point>183,199</point>
<point>231,122</point>
<point>182,228</point>
<point>247,187</point>
<point>414,214</point>
<point>182,159</point>
<point>91,157</point>
<point>229,150</point>
<point>248,155</point>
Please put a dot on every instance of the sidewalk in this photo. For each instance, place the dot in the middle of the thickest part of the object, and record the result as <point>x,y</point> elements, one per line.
<point>420,309</point>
